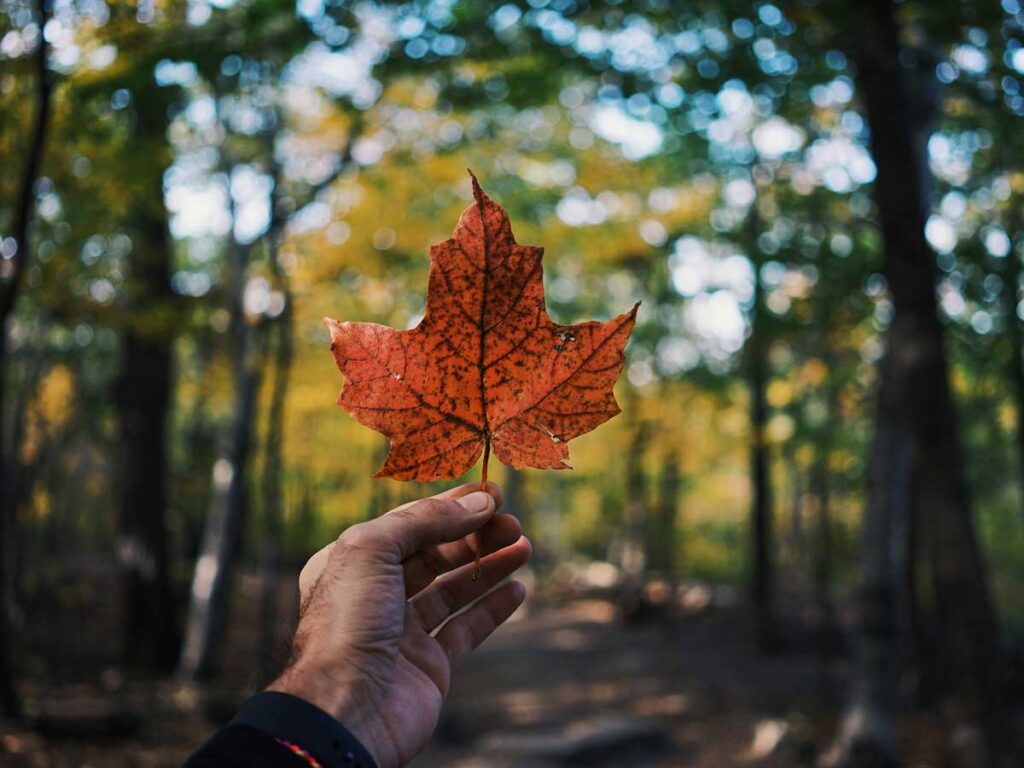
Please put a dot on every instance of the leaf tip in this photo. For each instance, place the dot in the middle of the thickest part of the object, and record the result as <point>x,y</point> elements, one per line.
<point>334,326</point>
<point>478,192</point>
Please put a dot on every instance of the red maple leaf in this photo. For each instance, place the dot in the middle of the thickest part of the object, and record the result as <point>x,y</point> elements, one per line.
<point>485,367</point>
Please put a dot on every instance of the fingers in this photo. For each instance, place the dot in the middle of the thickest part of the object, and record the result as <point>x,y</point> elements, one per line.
<point>464,490</point>
<point>454,591</point>
<point>403,532</point>
<point>423,567</point>
<point>466,631</point>
<point>401,528</point>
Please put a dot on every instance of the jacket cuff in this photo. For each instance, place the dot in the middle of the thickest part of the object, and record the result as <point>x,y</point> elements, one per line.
<point>303,727</point>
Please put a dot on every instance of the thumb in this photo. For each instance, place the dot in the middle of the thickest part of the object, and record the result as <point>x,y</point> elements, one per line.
<point>403,532</point>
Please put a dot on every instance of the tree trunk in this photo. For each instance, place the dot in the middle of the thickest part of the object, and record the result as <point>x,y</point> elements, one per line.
<point>215,566</point>
<point>635,556</point>
<point>915,430</point>
<point>762,576</point>
<point>513,501</point>
<point>667,531</point>
<point>144,397</point>
<point>10,704</point>
<point>200,441</point>
<point>1015,337</point>
<point>797,482</point>
<point>762,569</point>
<point>868,732</point>
<point>273,491</point>
<point>821,487</point>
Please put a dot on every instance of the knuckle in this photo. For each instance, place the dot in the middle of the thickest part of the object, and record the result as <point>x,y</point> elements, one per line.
<point>438,507</point>
<point>358,536</point>
<point>306,578</point>
<point>311,571</point>
<point>404,514</point>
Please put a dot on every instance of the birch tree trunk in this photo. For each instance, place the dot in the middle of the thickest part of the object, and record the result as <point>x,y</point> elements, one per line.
<point>225,517</point>
<point>215,566</point>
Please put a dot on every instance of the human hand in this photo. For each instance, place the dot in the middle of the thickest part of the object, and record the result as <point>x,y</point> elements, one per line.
<point>366,650</point>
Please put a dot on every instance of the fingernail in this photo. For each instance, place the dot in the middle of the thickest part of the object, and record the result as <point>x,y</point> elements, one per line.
<point>476,502</point>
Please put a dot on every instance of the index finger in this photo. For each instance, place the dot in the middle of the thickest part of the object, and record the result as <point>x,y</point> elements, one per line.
<point>315,565</point>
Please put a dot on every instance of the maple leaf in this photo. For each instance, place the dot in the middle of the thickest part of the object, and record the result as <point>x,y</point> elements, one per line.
<point>485,367</point>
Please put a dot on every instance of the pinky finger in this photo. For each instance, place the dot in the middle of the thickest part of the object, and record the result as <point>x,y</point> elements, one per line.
<point>470,628</point>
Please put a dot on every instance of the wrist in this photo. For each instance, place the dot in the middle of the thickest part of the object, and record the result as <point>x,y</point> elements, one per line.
<point>304,729</point>
<point>340,698</point>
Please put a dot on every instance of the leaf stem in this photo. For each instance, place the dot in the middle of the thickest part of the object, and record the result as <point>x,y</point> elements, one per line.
<point>483,471</point>
<point>483,487</point>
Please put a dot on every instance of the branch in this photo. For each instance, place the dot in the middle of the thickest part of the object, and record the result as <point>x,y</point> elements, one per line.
<point>25,206</point>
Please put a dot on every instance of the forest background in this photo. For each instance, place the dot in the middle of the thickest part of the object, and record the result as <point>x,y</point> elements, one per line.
<point>821,442</point>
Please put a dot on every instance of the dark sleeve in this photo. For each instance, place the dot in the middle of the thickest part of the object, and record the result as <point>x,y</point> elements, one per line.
<point>275,730</point>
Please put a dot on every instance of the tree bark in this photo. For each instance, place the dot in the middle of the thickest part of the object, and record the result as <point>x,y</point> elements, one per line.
<point>762,568</point>
<point>822,490</point>
<point>1015,339</point>
<point>1015,336</point>
<point>636,555</point>
<point>867,739</point>
<point>513,492</point>
<point>916,463</point>
<point>143,393</point>
<point>144,399</point>
<point>821,486</point>
<point>273,490</point>
<point>10,704</point>
<point>667,532</point>
<point>762,576</point>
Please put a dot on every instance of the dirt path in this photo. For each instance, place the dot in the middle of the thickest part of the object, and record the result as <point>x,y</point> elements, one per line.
<point>565,684</point>
<point>570,683</point>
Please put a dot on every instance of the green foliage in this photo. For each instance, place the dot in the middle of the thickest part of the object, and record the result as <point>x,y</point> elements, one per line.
<point>665,152</point>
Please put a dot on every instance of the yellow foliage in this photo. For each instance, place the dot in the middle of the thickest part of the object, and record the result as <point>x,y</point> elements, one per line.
<point>48,411</point>
<point>779,393</point>
<point>1007,416</point>
<point>815,372</point>
<point>41,503</point>
<point>780,428</point>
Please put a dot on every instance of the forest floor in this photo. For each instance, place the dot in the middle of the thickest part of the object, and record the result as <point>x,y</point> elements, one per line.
<point>567,681</point>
